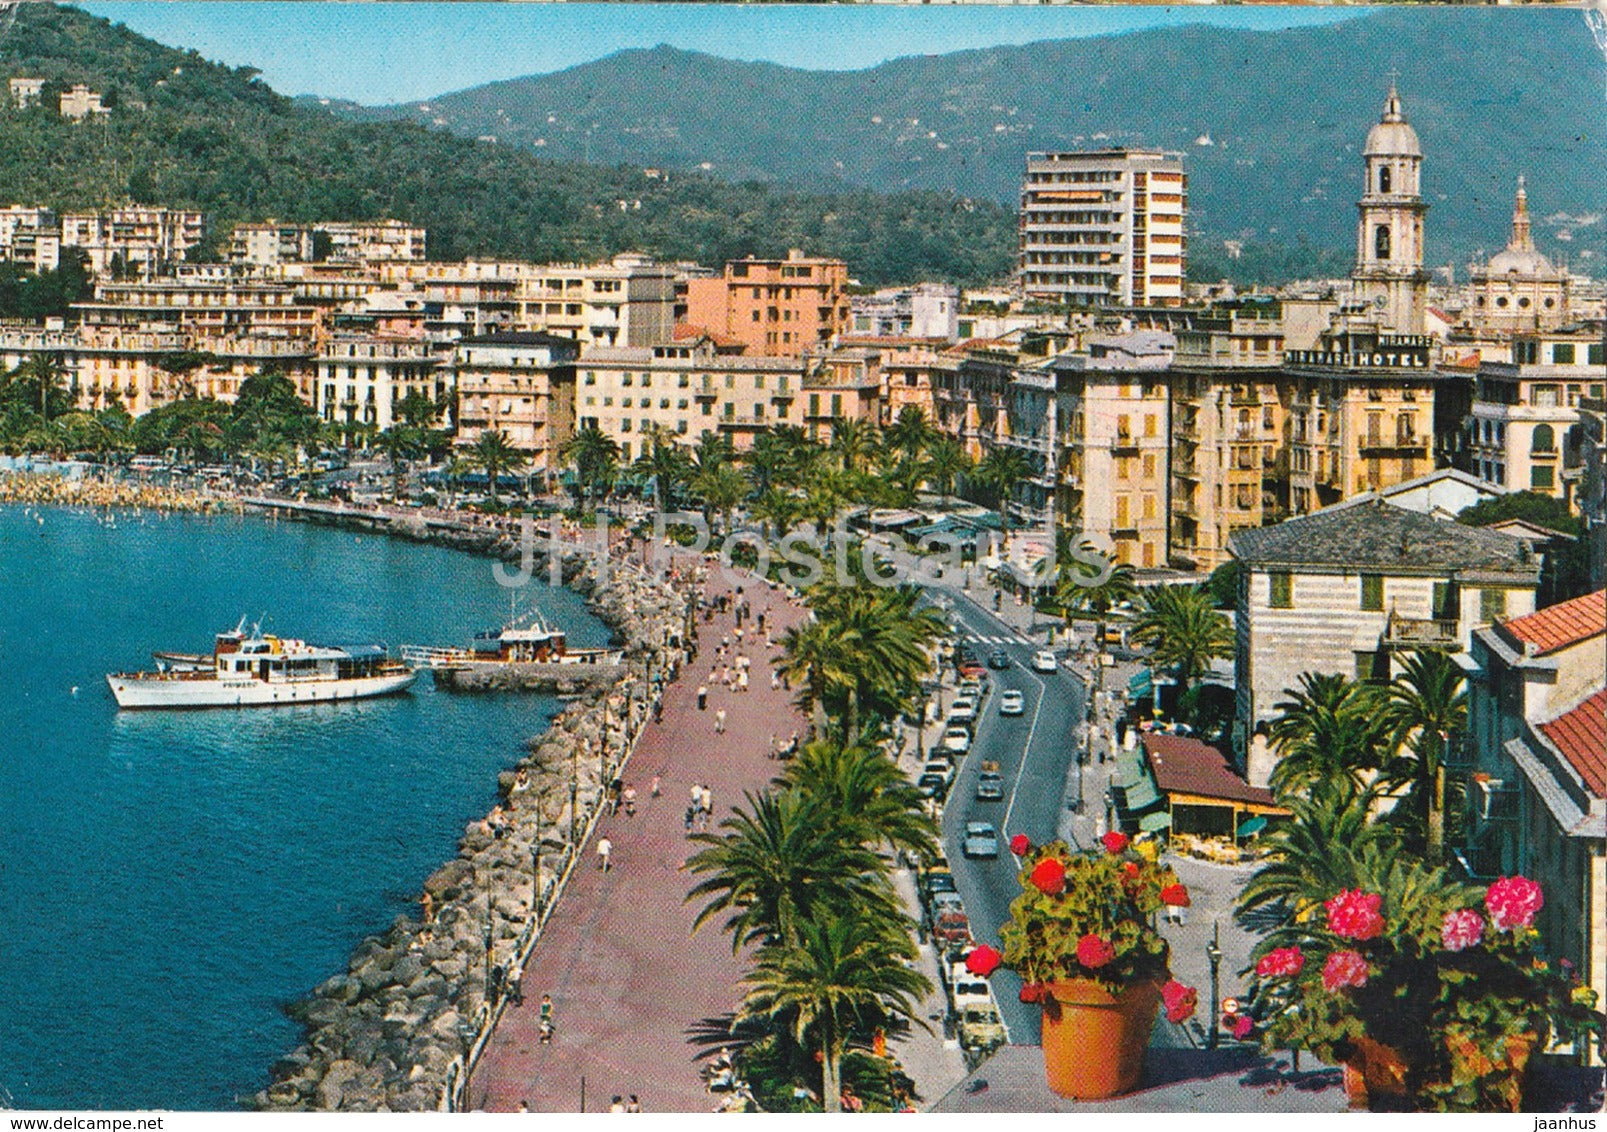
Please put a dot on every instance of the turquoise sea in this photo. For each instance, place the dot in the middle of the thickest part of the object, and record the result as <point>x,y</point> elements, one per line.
<point>168,880</point>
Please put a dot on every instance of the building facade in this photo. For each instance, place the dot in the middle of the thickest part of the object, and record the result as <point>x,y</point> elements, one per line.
<point>138,239</point>
<point>522,385</point>
<point>1341,590</point>
<point>778,308</point>
<point>629,301</point>
<point>362,378</point>
<point>1526,413</point>
<point>1104,228</point>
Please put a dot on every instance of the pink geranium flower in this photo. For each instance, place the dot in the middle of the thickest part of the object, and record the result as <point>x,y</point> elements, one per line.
<point>1461,929</point>
<point>1281,962</point>
<point>1241,1026</point>
<point>1093,952</point>
<point>1353,914</point>
<point>1344,969</point>
<point>1180,1000</point>
<point>1513,902</point>
<point>1175,895</point>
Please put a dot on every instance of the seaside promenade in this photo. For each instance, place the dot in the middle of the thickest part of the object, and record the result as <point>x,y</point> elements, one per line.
<point>632,985</point>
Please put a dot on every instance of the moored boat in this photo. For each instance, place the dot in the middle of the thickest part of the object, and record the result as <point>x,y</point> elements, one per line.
<point>262,670</point>
<point>527,641</point>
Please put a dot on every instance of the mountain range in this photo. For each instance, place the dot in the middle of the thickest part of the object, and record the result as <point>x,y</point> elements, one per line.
<point>1271,122</point>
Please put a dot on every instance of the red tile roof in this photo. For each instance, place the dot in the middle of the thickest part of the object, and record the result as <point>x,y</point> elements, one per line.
<point>1581,736</point>
<point>1184,765</point>
<point>1559,626</point>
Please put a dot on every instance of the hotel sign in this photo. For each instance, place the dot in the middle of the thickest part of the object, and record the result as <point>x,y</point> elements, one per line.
<point>1386,357</point>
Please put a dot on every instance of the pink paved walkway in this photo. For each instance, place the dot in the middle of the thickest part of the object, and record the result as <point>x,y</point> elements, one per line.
<point>629,980</point>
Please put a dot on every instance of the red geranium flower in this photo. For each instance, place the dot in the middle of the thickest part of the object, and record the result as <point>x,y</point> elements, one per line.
<point>1513,902</point>
<point>1093,952</point>
<point>983,960</point>
<point>1130,870</point>
<point>1281,962</point>
<point>1114,841</point>
<point>1033,992</point>
<point>1020,845</point>
<point>1049,875</point>
<point>1344,969</point>
<point>1353,914</point>
<point>1241,1026</point>
<point>1180,1000</point>
<point>1175,895</point>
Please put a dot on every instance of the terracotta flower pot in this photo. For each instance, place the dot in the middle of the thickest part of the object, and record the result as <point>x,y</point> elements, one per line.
<point>1094,1042</point>
<point>1375,1074</point>
<point>1375,1077</point>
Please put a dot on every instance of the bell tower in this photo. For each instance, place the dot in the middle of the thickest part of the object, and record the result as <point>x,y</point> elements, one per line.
<point>1389,235</point>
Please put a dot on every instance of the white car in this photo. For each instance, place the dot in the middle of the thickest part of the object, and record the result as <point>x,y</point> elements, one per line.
<point>967,990</point>
<point>971,689</point>
<point>1012,703</point>
<point>957,739</point>
<point>964,709</point>
<point>1044,661</point>
<point>939,767</point>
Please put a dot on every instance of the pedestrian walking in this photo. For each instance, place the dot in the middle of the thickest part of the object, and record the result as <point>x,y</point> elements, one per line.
<point>691,819</point>
<point>605,850</point>
<point>742,681</point>
<point>633,1105</point>
<point>702,698</point>
<point>516,984</point>
<point>630,801</point>
<point>546,1019</point>
<point>617,1104</point>
<point>719,722</point>
<point>655,788</point>
<point>775,679</point>
<point>707,800</point>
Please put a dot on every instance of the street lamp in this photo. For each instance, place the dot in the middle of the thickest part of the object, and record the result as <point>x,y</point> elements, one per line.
<point>535,863</point>
<point>1213,952</point>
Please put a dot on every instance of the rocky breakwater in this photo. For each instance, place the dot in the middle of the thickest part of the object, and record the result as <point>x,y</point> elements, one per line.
<point>400,1028</point>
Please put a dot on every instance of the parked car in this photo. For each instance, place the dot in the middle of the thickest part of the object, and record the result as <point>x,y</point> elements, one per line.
<point>957,739</point>
<point>932,785</point>
<point>939,767</point>
<point>1044,661</point>
<point>998,659</point>
<point>981,1030</point>
<point>946,922</point>
<point>934,882</point>
<point>981,839</point>
<point>1012,703</point>
<point>967,990</point>
<point>972,688</point>
<point>963,710</point>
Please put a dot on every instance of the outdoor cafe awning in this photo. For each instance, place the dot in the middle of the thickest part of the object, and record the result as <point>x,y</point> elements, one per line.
<point>1142,796</point>
<point>1128,770</point>
<point>1141,684</point>
<point>1193,773</point>
<point>1154,823</point>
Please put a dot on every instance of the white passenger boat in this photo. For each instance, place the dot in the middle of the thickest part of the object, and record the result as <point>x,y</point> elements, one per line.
<point>261,670</point>
<point>527,640</point>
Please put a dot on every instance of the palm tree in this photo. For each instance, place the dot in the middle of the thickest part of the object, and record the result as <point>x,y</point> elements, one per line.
<point>712,450</point>
<point>946,462</point>
<point>1329,729</point>
<point>46,378</point>
<point>812,659</point>
<point>1427,706</point>
<point>881,641</point>
<point>1001,470</point>
<point>595,457</point>
<point>721,488</point>
<point>844,975</point>
<point>778,510</point>
<point>495,455</point>
<point>664,461</point>
<point>852,440</point>
<point>911,434</point>
<point>1184,629</point>
<point>874,800</point>
<point>400,443</point>
<point>1081,589</point>
<point>779,862</point>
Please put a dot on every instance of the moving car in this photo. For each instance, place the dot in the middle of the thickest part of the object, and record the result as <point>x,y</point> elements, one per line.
<point>981,840</point>
<point>998,658</point>
<point>1044,661</point>
<point>957,739</point>
<point>990,786</point>
<point>963,711</point>
<point>1012,703</point>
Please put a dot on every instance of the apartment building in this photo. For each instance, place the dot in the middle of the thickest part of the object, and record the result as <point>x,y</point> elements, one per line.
<point>971,392</point>
<point>1525,413</point>
<point>1537,746</point>
<point>270,243</point>
<point>779,308</point>
<point>909,368</point>
<point>927,310</point>
<point>30,237</point>
<point>1098,421</point>
<point>140,370</point>
<point>139,239</point>
<point>375,241</point>
<point>80,102</point>
<point>630,301</point>
<point>1341,590</point>
<point>1104,228</point>
<point>26,92</point>
<point>841,385</point>
<point>687,388</point>
<point>363,377</point>
<point>520,384</point>
<point>212,307</point>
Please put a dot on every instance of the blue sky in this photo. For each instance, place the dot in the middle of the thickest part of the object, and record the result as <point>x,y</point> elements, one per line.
<point>399,52</point>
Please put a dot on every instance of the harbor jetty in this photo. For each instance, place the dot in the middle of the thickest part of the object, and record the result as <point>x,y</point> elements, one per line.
<point>400,1029</point>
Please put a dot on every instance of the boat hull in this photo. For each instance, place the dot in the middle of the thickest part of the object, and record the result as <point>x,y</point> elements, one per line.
<point>134,692</point>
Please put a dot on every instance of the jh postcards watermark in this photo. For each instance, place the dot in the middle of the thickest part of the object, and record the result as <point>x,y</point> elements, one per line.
<point>803,557</point>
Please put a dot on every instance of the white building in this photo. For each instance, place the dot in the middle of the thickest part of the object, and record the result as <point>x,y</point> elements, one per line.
<point>363,377</point>
<point>1104,228</point>
<point>30,236</point>
<point>26,92</point>
<point>143,240</point>
<point>521,385</point>
<point>80,102</point>
<point>629,301</point>
<point>927,310</point>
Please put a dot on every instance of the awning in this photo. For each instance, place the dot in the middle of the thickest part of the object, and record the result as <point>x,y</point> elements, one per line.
<point>1128,771</point>
<point>1252,827</point>
<point>1154,823</point>
<point>1141,684</point>
<point>1142,796</point>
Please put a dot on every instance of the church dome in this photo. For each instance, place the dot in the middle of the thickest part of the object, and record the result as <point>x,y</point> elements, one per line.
<point>1520,256</point>
<point>1393,136</point>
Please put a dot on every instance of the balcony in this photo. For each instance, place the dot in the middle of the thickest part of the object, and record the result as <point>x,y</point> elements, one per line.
<point>1124,445</point>
<point>1414,632</point>
<point>1185,467</point>
<point>1413,447</point>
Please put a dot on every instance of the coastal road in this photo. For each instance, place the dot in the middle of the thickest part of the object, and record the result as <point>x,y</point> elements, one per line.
<point>1036,753</point>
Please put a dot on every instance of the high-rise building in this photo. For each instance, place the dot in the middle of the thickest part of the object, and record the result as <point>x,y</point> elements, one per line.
<point>1389,234</point>
<point>1104,228</point>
